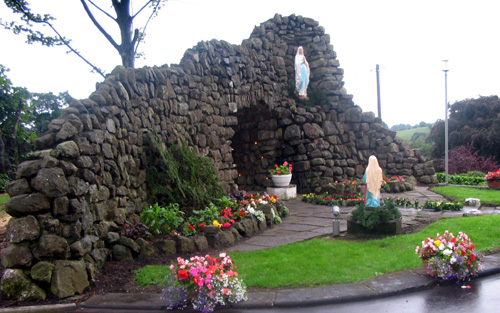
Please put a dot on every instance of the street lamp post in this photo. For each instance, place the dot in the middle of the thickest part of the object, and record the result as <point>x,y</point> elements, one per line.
<point>445,70</point>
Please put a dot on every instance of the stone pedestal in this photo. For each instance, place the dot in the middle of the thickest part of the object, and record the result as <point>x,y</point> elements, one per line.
<point>284,193</point>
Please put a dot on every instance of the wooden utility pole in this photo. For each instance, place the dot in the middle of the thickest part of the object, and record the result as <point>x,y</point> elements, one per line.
<point>378,93</point>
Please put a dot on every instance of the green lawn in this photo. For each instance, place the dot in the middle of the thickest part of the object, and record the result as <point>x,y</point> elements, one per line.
<point>326,261</point>
<point>408,133</point>
<point>487,196</point>
<point>3,198</point>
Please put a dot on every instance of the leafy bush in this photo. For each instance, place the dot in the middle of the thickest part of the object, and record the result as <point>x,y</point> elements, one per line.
<point>206,215</point>
<point>369,217</point>
<point>182,177</point>
<point>465,158</point>
<point>461,179</point>
<point>163,220</point>
<point>443,206</point>
<point>4,181</point>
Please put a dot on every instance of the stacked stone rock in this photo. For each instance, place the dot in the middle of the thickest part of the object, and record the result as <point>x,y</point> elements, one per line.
<point>229,103</point>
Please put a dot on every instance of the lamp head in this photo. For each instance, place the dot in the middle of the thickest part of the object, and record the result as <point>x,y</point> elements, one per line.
<point>336,211</point>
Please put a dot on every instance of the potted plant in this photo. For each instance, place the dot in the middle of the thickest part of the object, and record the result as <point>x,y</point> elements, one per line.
<point>204,282</point>
<point>450,258</point>
<point>282,174</point>
<point>493,179</point>
<point>383,220</point>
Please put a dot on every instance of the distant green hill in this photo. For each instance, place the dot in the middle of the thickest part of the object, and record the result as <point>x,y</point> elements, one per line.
<point>407,134</point>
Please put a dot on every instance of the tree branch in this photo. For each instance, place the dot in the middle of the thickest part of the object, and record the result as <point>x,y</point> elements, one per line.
<point>144,6</point>
<point>21,7</point>
<point>99,27</point>
<point>105,13</point>
<point>153,13</point>
<point>66,43</point>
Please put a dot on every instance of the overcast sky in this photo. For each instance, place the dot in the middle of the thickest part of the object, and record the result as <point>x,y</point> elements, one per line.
<point>408,39</point>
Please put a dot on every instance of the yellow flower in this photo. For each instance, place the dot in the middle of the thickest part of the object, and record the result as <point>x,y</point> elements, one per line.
<point>437,242</point>
<point>216,223</point>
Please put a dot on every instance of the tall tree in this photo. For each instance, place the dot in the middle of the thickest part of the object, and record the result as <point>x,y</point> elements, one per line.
<point>130,37</point>
<point>23,115</point>
<point>471,121</point>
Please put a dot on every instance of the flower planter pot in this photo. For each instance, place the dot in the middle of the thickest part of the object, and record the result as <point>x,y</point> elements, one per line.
<point>281,180</point>
<point>493,184</point>
<point>428,269</point>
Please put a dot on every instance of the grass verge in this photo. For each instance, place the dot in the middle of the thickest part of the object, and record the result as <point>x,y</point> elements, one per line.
<point>325,262</point>
<point>3,198</point>
<point>487,196</point>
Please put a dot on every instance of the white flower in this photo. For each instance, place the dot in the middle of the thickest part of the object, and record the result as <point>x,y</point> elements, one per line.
<point>447,252</point>
<point>250,209</point>
<point>441,247</point>
<point>453,259</point>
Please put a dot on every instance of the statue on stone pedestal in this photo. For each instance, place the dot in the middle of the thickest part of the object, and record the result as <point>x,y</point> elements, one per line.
<point>373,180</point>
<point>301,73</point>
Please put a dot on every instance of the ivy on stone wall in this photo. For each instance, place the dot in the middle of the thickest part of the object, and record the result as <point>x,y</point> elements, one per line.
<point>182,177</point>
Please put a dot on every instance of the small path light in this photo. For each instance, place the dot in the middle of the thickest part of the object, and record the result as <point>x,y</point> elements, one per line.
<point>336,221</point>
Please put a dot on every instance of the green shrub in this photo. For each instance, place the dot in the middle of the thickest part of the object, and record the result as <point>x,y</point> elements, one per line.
<point>462,179</point>
<point>4,181</point>
<point>475,174</point>
<point>163,220</point>
<point>369,217</point>
<point>443,205</point>
<point>206,215</point>
<point>182,177</point>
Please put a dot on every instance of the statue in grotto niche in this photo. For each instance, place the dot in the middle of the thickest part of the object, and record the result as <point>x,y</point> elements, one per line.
<point>302,72</point>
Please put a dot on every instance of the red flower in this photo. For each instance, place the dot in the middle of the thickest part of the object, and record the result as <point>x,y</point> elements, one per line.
<point>472,257</point>
<point>471,247</point>
<point>201,226</point>
<point>182,274</point>
<point>242,213</point>
<point>196,280</point>
<point>464,252</point>
<point>191,227</point>
<point>275,197</point>
<point>226,225</point>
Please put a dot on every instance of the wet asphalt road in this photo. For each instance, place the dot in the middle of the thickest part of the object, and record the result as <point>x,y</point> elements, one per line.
<point>483,296</point>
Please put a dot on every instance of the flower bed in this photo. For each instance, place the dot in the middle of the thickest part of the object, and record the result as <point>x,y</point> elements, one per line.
<point>204,282</point>
<point>450,258</point>
<point>443,206</point>
<point>223,213</point>
<point>344,199</point>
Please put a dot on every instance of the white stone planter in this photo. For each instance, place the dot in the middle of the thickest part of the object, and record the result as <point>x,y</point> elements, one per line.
<point>281,180</point>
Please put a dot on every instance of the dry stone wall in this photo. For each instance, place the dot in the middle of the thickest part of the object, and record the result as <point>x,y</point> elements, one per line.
<point>229,103</point>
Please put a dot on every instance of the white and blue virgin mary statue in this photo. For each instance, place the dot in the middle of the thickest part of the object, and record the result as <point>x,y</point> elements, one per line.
<point>302,72</point>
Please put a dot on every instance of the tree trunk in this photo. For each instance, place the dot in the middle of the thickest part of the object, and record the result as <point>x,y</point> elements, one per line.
<point>124,20</point>
<point>5,166</point>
